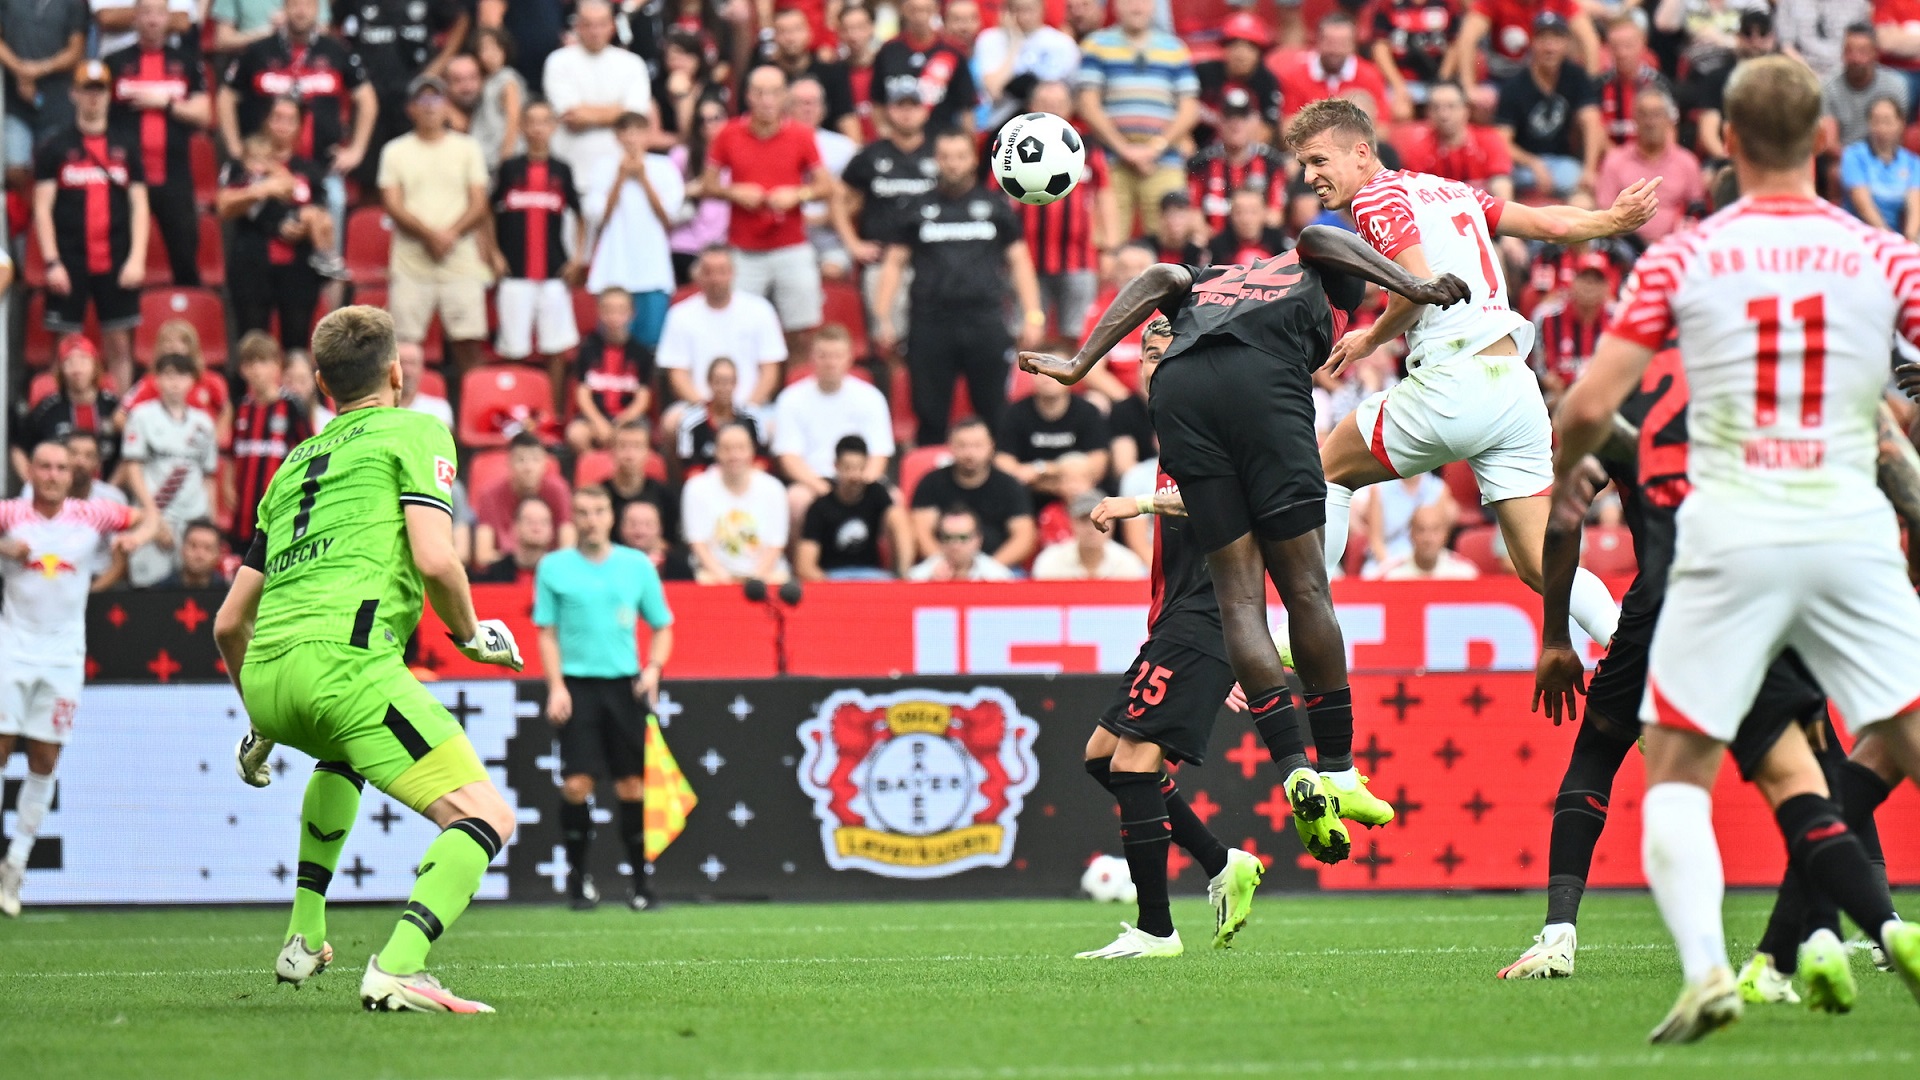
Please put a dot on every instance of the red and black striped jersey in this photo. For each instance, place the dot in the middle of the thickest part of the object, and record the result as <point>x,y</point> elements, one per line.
<point>530,200</point>
<point>322,72</point>
<point>165,73</point>
<point>1617,95</point>
<point>91,174</point>
<point>1565,341</point>
<point>263,433</point>
<point>1213,176</point>
<point>1060,234</point>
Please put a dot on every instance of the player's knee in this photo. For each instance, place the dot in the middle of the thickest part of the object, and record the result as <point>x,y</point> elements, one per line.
<point>1682,757</point>
<point>630,789</point>
<point>42,757</point>
<point>577,789</point>
<point>1101,744</point>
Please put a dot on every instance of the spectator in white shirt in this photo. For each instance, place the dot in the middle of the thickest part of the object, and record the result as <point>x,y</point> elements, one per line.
<point>958,555</point>
<point>171,456</point>
<point>591,84</point>
<point>1430,559</point>
<point>735,516</point>
<point>1023,50</point>
<point>115,20</point>
<point>720,322</point>
<point>413,365</point>
<point>815,413</point>
<point>1091,555</point>
<point>807,106</point>
<point>644,194</point>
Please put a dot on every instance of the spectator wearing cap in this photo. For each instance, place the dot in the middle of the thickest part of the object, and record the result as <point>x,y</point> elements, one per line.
<point>433,184</point>
<point>94,260</point>
<point>1509,28</point>
<point>1879,177</point>
<point>78,403</point>
<point>1655,151</point>
<point>1550,115</point>
<point>44,42</point>
<point>1410,43</point>
<point>591,85</point>
<point>1334,68</point>
<point>1629,74</point>
<point>841,533</point>
<point>1861,80</point>
<point>1239,160</point>
<point>530,475</point>
<point>633,251</point>
<point>879,194</point>
<point>1449,144</point>
<point>774,169</point>
<point>1012,57</point>
<point>1139,95</point>
<point>1703,90</point>
<point>791,49</point>
<point>1091,555</point>
<point>1240,79</point>
<point>1071,236</point>
<point>1567,328</point>
<point>921,59</point>
<point>1814,31</point>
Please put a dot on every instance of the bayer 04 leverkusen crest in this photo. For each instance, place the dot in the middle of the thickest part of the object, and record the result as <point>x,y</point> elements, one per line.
<point>918,783</point>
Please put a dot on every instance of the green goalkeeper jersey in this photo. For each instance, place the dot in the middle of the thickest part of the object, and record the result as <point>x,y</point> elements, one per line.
<point>333,532</point>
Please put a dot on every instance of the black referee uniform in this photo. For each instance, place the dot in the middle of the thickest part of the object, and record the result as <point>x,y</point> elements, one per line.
<point>957,305</point>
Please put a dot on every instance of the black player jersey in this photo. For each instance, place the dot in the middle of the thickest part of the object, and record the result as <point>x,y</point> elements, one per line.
<point>959,250</point>
<point>891,182</point>
<point>322,73</point>
<point>530,200</point>
<point>1278,306</point>
<point>92,220</point>
<point>256,242</point>
<point>163,139</point>
<point>394,37</point>
<point>1652,487</point>
<point>1185,608</point>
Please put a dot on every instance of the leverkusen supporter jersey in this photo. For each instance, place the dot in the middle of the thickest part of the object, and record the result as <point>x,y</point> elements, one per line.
<point>92,221</point>
<point>322,73</point>
<point>163,138</point>
<point>332,537</point>
<point>255,242</point>
<point>530,201</point>
<point>1279,306</point>
<point>890,182</point>
<point>1060,234</point>
<point>1184,607</point>
<point>1213,176</point>
<point>264,432</point>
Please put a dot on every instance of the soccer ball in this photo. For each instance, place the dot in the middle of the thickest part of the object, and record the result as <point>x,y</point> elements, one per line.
<point>1108,881</point>
<point>1038,158</point>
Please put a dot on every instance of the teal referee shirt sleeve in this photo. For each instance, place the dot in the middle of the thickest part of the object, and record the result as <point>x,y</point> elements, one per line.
<point>594,608</point>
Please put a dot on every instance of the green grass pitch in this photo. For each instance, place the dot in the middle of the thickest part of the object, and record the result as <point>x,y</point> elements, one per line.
<point>1328,984</point>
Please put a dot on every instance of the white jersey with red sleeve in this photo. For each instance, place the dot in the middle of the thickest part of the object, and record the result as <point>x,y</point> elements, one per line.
<point>1453,224</point>
<point>1786,310</point>
<point>44,621</point>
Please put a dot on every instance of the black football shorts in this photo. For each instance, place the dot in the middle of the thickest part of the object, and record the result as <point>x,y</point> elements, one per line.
<point>1171,697</point>
<point>607,733</point>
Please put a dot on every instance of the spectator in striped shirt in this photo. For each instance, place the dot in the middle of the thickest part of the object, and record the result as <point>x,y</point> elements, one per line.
<point>1072,237</point>
<point>1240,160</point>
<point>1567,328</point>
<point>1139,95</point>
<point>268,424</point>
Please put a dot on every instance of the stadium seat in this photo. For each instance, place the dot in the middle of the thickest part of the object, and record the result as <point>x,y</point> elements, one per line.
<point>206,171</point>
<point>369,239</point>
<point>42,386</point>
<point>1466,491</point>
<point>488,393</point>
<point>433,384</point>
<point>39,344</point>
<point>1608,551</point>
<point>586,310</point>
<point>201,307</point>
<point>596,467</point>
<point>159,267</point>
<point>918,463</point>
<point>486,467</point>
<point>213,252</point>
<point>1476,545</point>
<point>844,307</point>
<point>33,269</point>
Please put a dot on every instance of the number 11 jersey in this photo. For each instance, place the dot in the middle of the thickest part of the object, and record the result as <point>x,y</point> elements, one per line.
<point>333,532</point>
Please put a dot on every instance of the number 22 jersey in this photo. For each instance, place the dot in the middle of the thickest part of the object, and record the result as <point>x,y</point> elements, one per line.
<point>1277,306</point>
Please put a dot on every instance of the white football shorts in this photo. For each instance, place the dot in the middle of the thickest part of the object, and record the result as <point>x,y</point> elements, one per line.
<point>38,702</point>
<point>1483,410</point>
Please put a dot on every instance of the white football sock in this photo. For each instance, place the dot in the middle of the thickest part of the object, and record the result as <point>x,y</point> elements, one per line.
<point>1593,607</point>
<point>1348,778</point>
<point>1339,520</point>
<point>36,796</point>
<point>1681,858</point>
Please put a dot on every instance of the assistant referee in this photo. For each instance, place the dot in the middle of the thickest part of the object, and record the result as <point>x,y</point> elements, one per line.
<point>586,600</point>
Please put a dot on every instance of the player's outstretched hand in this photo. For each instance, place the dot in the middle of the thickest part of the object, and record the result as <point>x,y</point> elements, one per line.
<point>492,644</point>
<point>1443,291</point>
<point>1057,368</point>
<point>1635,206</point>
<point>1113,508</point>
<point>1558,681</point>
<point>1353,345</point>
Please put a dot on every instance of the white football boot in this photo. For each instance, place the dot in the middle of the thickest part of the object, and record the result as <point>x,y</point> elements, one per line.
<point>1550,956</point>
<point>297,963</point>
<point>381,991</point>
<point>1135,944</point>
<point>10,879</point>
<point>1704,1007</point>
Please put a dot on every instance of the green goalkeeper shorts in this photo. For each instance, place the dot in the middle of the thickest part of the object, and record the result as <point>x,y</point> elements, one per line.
<point>340,703</point>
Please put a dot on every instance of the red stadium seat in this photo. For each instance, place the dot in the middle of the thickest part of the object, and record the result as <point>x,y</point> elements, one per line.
<point>1475,544</point>
<point>433,384</point>
<point>845,308</point>
<point>159,268</point>
<point>484,469</point>
<point>488,393</point>
<point>918,463</point>
<point>206,171</point>
<point>586,310</point>
<point>213,252</point>
<point>1466,491</point>
<point>33,269</point>
<point>43,385</point>
<point>593,467</point>
<point>369,239</point>
<point>1608,551</point>
<point>201,307</point>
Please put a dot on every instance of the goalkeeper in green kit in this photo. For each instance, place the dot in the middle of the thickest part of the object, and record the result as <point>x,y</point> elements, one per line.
<point>356,526</point>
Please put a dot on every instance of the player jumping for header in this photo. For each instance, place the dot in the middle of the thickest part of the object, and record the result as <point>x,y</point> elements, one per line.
<point>354,528</point>
<point>1232,404</point>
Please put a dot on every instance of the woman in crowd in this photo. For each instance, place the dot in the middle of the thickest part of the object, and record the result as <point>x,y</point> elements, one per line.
<point>209,393</point>
<point>703,218</point>
<point>1881,178</point>
<point>496,123</point>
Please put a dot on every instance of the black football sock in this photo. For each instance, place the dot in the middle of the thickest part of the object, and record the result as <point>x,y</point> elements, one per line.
<point>1145,834</point>
<point>576,835</point>
<point>1330,716</point>
<point>1101,768</point>
<point>1273,718</point>
<point>1579,815</point>
<point>1860,791</point>
<point>1787,925</point>
<point>1834,862</point>
<point>633,833</point>
<point>1189,831</point>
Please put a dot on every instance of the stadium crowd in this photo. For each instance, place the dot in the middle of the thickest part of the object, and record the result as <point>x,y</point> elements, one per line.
<point>690,250</point>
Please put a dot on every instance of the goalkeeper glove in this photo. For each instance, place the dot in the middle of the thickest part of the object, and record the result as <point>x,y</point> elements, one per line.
<point>492,644</point>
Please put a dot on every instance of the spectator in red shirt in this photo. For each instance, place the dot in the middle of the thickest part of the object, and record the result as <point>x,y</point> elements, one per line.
<point>1896,29</point>
<point>532,539</point>
<point>1334,69</point>
<point>1654,152</point>
<point>530,475</point>
<point>1449,145</point>
<point>775,169</point>
<point>209,392</point>
<point>1632,73</point>
<point>1507,28</point>
<point>1411,39</point>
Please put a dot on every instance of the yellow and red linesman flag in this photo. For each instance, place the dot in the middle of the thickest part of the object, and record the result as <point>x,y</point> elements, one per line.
<point>669,797</point>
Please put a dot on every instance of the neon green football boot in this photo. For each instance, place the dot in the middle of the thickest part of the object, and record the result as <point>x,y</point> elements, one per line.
<point>1231,892</point>
<point>1316,816</point>
<point>1828,978</point>
<point>1902,942</point>
<point>1357,804</point>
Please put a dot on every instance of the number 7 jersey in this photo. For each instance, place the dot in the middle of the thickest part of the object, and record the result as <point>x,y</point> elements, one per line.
<point>333,531</point>
<point>1785,309</point>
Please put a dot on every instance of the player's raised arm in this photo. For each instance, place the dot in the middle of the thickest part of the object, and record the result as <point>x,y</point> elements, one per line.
<point>1570,224</point>
<point>1337,250</point>
<point>1135,304</point>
